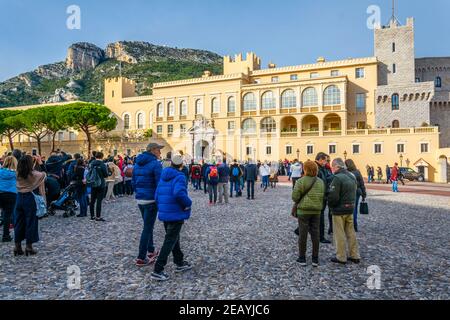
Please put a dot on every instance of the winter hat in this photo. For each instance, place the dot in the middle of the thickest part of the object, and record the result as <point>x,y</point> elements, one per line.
<point>177,159</point>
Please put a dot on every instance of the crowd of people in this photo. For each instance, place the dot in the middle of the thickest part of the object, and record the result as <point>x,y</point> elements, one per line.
<point>393,176</point>
<point>161,189</point>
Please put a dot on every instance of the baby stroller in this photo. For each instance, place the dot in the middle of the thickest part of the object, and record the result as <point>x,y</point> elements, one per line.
<point>65,202</point>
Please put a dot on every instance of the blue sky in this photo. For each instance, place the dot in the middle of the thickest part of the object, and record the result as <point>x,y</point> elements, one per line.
<point>289,32</point>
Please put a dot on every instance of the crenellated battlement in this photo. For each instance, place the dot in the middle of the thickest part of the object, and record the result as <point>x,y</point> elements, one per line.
<point>239,64</point>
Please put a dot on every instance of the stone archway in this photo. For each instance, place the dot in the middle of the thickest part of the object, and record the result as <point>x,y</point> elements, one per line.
<point>203,150</point>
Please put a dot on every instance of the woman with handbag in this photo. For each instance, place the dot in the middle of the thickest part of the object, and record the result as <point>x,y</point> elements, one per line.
<point>29,182</point>
<point>360,190</point>
<point>308,195</point>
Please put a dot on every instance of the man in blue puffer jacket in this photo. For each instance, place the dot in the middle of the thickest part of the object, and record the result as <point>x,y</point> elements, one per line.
<point>146,176</point>
<point>174,207</point>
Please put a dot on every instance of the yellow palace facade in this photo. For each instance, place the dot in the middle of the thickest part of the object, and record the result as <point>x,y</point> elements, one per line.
<point>276,113</point>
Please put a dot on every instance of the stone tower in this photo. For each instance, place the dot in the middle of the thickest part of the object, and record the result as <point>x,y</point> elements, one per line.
<point>394,48</point>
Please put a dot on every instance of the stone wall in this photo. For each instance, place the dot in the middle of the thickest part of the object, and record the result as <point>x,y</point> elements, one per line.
<point>414,104</point>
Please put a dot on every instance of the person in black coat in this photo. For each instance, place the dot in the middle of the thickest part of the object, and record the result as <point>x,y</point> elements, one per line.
<point>360,191</point>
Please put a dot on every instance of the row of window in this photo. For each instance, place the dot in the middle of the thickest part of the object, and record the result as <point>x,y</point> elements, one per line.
<point>437,81</point>
<point>332,149</point>
<point>59,137</point>
<point>359,73</point>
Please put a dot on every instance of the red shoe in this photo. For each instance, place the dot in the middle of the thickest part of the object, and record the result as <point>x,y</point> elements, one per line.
<point>142,263</point>
<point>153,256</point>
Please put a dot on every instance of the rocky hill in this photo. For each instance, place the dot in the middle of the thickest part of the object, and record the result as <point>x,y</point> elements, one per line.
<point>81,75</point>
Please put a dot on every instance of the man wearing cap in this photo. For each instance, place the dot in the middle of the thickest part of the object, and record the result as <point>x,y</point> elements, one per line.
<point>174,207</point>
<point>146,176</point>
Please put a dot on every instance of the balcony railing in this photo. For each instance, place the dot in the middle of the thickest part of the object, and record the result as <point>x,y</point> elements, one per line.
<point>288,110</point>
<point>249,113</point>
<point>289,134</point>
<point>332,108</point>
<point>268,112</point>
<point>310,133</point>
<point>400,130</point>
<point>231,114</point>
<point>183,117</point>
<point>309,109</point>
<point>356,132</point>
<point>332,133</point>
<point>214,115</point>
<point>426,130</point>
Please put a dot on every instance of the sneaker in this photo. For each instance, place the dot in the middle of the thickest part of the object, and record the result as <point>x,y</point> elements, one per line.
<point>92,218</point>
<point>302,261</point>
<point>142,263</point>
<point>100,220</point>
<point>184,267</point>
<point>354,260</point>
<point>152,256</point>
<point>315,262</point>
<point>160,276</point>
<point>335,260</point>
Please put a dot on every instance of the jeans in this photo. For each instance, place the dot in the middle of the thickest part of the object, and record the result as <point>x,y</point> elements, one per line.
<point>322,222</point>
<point>128,188</point>
<point>251,189</point>
<point>212,189</point>
<point>25,219</point>
<point>355,212</point>
<point>223,191</point>
<point>265,181</point>
<point>205,185</point>
<point>97,195</point>
<point>149,213</point>
<point>196,183</point>
<point>308,224</point>
<point>7,203</point>
<point>395,186</point>
<point>171,244</point>
<point>234,185</point>
<point>82,201</point>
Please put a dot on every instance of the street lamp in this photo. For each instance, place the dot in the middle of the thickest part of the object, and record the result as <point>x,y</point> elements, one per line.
<point>345,154</point>
<point>401,160</point>
<point>298,154</point>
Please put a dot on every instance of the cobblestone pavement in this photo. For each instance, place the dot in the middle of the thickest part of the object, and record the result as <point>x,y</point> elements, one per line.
<point>244,250</point>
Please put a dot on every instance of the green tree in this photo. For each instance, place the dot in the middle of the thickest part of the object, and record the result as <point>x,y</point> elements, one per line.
<point>9,130</point>
<point>56,122</point>
<point>33,123</point>
<point>90,118</point>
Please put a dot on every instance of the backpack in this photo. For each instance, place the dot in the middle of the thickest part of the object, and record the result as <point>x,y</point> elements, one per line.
<point>93,177</point>
<point>213,172</point>
<point>129,172</point>
<point>235,172</point>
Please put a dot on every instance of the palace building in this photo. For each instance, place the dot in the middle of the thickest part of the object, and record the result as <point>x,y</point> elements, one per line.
<point>376,110</point>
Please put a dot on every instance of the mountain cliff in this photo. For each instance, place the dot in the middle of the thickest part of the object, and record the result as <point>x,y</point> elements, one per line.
<point>81,75</point>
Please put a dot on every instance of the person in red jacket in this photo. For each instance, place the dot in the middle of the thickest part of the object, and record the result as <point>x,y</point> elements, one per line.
<point>394,177</point>
<point>196,175</point>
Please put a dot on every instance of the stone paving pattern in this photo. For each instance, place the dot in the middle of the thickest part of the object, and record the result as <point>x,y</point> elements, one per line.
<point>244,250</point>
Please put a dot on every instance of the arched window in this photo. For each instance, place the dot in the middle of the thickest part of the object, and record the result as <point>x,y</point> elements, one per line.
<point>332,96</point>
<point>438,82</point>
<point>231,105</point>
<point>160,110</point>
<point>126,122</point>
<point>170,109</point>
<point>198,107</point>
<point>249,126</point>
<point>215,106</point>
<point>183,108</point>
<point>249,102</point>
<point>288,99</point>
<point>268,101</point>
<point>268,125</point>
<point>140,121</point>
<point>310,97</point>
<point>395,102</point>
<point>395,124</point>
